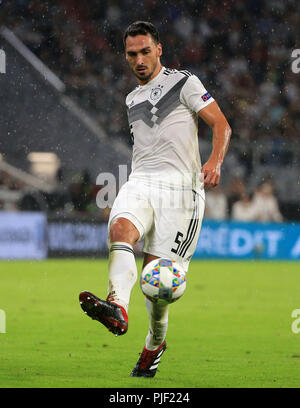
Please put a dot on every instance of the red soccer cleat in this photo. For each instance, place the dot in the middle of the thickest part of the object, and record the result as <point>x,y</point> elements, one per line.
<point>148,362</point>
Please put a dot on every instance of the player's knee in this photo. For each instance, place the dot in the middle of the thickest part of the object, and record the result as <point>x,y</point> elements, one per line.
<point>122,230</point>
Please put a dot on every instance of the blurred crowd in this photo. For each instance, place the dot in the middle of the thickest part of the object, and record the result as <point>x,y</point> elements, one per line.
<point>240,49</point>
<point>240,205</point>
<point>78,199</point>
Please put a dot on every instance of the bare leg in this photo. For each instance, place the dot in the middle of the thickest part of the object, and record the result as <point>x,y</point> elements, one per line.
<point>122,230</point>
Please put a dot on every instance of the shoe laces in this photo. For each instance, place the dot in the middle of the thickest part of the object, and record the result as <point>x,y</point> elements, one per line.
<point>111,297</point>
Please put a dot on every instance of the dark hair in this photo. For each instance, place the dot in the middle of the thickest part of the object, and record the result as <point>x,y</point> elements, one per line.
<point>141,28</point>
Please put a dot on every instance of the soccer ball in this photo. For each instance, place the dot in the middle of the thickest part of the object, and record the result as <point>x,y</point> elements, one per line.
<point>163,281</point>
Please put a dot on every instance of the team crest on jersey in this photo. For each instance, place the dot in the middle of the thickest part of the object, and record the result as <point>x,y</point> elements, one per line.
<point>156,93</point>
<point>153,111</point>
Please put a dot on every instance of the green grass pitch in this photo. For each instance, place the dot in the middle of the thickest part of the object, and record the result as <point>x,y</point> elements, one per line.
<point>232,328</point>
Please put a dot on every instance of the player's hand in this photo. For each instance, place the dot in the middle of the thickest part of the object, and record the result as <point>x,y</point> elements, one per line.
<point>211,171</point>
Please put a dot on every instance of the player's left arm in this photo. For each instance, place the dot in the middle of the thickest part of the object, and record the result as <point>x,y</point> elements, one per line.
<point>213,116</point>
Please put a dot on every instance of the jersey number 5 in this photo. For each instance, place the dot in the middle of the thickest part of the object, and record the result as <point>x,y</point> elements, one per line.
<point>178,241</point>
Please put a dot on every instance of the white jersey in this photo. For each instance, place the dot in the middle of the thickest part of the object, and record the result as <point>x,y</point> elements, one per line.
<point>163,122</point>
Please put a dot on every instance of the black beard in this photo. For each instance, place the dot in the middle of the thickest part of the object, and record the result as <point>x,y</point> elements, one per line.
<point>142,77</point>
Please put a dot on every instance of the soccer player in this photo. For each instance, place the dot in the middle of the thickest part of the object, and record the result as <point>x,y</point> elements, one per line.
<point>162,203</point>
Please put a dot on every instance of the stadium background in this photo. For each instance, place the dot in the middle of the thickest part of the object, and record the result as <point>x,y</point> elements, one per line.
<point>63,122</point>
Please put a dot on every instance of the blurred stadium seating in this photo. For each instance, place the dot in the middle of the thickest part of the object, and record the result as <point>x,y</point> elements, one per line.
<point>241,50</point>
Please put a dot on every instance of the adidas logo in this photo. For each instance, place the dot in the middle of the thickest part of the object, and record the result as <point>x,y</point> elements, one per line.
<point>156,361</point>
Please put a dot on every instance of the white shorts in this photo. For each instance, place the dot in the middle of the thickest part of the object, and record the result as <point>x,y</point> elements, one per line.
<point>168,220</point>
